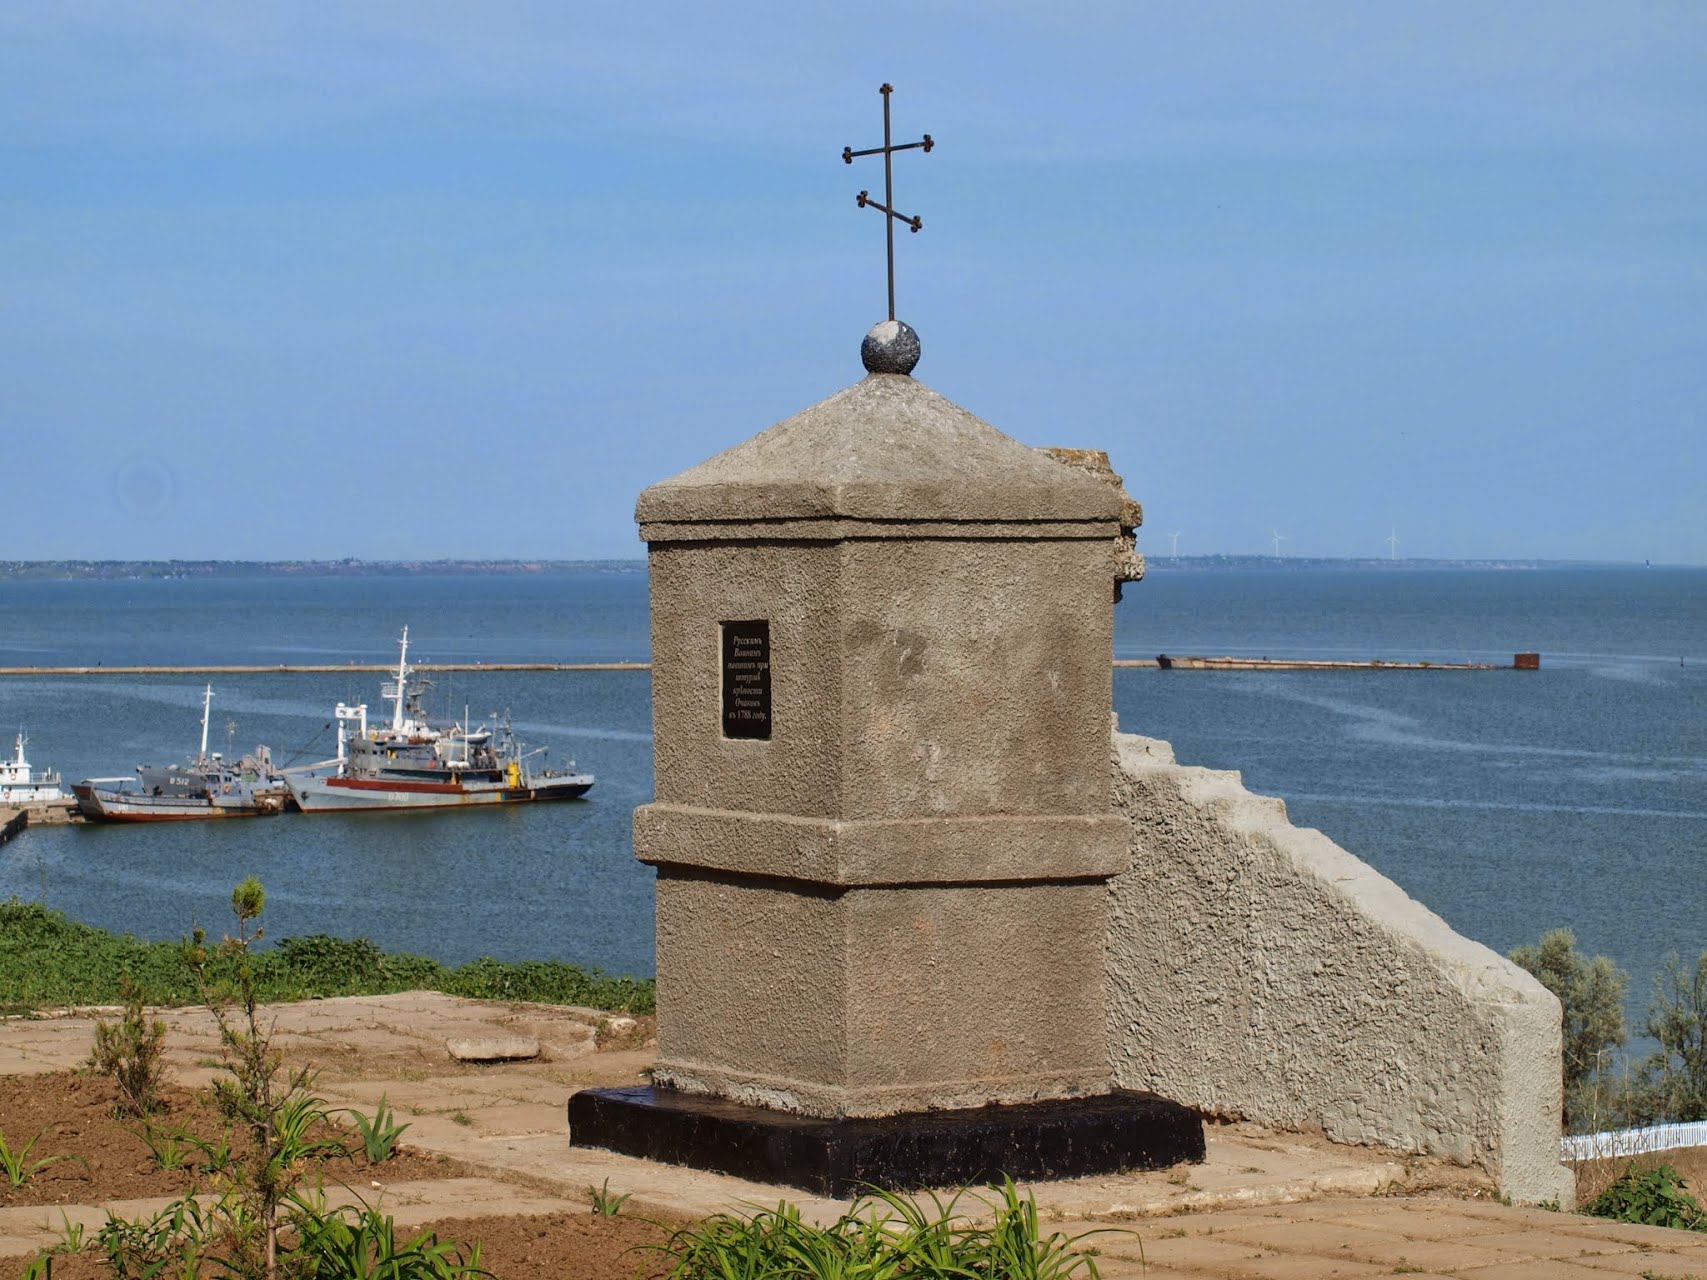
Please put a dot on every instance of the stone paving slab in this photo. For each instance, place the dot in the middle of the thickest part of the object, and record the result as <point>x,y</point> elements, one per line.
<point>1263,1206</point>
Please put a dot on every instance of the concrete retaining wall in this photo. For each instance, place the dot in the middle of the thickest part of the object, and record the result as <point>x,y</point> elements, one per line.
<point>1259,971</point>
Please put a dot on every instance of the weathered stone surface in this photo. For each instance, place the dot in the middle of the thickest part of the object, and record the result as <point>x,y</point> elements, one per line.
<point>1128,561</point>
<point>493,1048</point>
<point>887,447</point>
<point>895,901</point>
<point>941,678</point>
<point>867,1002</point>
<point>1258,970</point>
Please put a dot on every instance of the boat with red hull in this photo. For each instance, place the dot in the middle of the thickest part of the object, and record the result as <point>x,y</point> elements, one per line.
<point>413,764</point>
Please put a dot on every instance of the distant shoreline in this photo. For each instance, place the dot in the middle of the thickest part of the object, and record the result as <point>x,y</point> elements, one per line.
<point>72,570</point>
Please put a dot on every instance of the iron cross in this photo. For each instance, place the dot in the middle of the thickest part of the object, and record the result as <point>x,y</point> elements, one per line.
<point>887,151</point>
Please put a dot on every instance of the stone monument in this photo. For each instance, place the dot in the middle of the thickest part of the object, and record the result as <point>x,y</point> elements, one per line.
<point>883,826</point>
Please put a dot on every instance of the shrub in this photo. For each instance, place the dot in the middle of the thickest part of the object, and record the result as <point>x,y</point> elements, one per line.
<point>1654,1197</point>
<point>46,959</point>
<point>1675,1078</point>
<point>1591,993</point>
<point>132,1051</point>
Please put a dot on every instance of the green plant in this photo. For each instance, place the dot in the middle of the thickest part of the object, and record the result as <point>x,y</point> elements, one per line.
<point>605,1205</point>
<point>216,1152</point>
<point>47,959</point>
<point>132,1051</point>
<point>1655,1197</point>
<point>170,1145</point>
<point>18,1168</point>
<point>71,1235</point>
<point>1673,1080</point>
<point>71,1239</point>
<point>263,1220</point>
<point>884,1235</point>
<point>461,1117</point>
<point>1591,999</point>
<point>379,1133</point>
<point>172,1242</point>
<point>277,1108</point>
<point>359,1243</point>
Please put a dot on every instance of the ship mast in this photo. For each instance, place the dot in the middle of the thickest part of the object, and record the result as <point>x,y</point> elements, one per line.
<point>207,701</point>
<point>398,696</point>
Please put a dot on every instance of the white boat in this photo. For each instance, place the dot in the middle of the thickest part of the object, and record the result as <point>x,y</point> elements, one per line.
<point>20,785</point>
<point>412,764</point>
<point>205,787</point>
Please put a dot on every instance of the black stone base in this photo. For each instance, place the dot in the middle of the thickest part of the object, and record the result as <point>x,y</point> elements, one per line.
<point>1113,1133</point>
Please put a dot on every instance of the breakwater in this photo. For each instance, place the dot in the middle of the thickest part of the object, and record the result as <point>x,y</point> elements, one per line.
<point>1167,662</point>
<point>1164,661</point>
<point>258,669</point>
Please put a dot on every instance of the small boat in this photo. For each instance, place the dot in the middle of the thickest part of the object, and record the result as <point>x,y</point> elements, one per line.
<point>207,786</point>
<point>20,785</point>
<point>412,764</point>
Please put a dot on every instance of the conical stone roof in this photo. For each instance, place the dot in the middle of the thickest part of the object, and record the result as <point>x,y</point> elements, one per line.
<point>886,448</point>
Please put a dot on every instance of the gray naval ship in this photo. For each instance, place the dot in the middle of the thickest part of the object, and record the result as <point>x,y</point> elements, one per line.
<point>412,764</point>
<point>207,786</point>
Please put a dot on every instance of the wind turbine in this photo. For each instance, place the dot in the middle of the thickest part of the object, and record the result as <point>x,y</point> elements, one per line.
<point>1175,536</point>
<point>1393,545</point>
<point>1277,539</point>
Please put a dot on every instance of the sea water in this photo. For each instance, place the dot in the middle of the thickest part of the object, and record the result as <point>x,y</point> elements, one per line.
<point>1508,802</point>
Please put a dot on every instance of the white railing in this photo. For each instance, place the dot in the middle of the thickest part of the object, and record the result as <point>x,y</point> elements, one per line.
<point>1634,1142</point>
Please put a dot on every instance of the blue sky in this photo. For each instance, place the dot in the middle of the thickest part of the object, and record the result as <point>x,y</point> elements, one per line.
<point>428,279</point>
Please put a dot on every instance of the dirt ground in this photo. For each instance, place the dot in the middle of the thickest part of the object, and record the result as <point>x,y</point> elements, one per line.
<point>557,1246</point>
<point>98,1158</point>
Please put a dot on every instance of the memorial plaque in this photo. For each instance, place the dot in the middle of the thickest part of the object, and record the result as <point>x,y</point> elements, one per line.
<point>747,679</point>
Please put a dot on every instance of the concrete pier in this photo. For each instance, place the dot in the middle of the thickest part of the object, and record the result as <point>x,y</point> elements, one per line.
<point>40,813</point>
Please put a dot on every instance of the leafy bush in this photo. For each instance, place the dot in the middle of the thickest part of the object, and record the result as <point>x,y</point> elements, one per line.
<point>1591,993</point>
<point>46,959</point>
<point>132,1051</point>
<point>550,982</point>
<point>1654,1197</point>
<point>1673,1081</point>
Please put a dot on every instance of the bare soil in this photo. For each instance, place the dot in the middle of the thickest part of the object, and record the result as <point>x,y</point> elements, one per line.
<point>74,1116</point>
<point>558,1246</point>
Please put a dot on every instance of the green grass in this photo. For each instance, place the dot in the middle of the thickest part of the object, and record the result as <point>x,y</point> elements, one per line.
<point>47,959</point>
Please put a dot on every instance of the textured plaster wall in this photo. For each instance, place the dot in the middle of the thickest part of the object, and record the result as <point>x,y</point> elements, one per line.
<point>1257,970</point>
<point>870,1001</point>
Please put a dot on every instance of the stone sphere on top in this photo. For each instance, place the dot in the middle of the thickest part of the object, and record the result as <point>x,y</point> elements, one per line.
<point>892,346</point>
